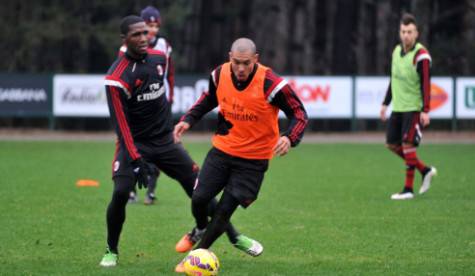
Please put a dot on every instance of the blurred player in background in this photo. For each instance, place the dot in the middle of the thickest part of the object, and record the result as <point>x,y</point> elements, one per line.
<point>409,91</point>
<point>141,114</point>
<point>156,41</point>
<point>249,96</point>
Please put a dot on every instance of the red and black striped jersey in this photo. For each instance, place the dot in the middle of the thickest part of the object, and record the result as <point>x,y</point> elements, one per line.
<point>160,43</point>
<point>137,102</point>
<point>277,92</point>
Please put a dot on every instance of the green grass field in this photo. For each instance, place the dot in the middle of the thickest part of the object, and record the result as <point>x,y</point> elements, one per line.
<point>323,210</point>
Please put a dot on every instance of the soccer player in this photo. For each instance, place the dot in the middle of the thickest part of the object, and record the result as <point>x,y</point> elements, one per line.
<point>249,96</point>
<point>156,41</point>
<point>409,91</point>
<point>142,118</point>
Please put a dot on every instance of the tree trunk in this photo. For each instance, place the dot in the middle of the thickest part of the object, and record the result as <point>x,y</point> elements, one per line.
<point>468,36</point>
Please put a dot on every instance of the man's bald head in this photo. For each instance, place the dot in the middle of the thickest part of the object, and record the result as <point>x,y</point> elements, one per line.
<point>243,45</point>
<point>243,58</point>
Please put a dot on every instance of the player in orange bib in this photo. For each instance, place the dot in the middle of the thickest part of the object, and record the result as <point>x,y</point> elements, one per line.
<point>249,96</point>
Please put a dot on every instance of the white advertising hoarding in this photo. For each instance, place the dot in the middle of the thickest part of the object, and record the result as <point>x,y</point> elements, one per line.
<point>324,97</point>
<point>79,96</point>
<point>370,93</point>
<point>465,98</point>
<point>441,98</point>
<point>84,95</point>
<point>187,93</point>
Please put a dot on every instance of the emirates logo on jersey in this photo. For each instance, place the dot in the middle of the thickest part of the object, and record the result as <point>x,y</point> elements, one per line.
<point>237,111</point>
<point>160,70</point>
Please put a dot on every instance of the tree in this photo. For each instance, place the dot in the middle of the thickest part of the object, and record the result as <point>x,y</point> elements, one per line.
<point>326,37</point>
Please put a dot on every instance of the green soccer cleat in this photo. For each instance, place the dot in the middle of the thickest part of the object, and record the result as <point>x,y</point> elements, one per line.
<point>248,245</point>
<point>110,259</point>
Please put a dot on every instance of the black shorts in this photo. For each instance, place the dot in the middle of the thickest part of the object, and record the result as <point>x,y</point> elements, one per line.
<point>240,177</point>
<point>404,128</point>
<point>172,159</point>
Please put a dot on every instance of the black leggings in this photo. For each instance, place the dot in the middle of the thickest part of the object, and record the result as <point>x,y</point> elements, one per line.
<point>220,220</point>
<point>116,210</point>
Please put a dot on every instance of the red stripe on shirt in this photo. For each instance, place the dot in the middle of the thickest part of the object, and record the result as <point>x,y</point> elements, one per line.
<point>156,52</point>
<point>426,86</point>
<point>275,81</point>
<point>123,125</point>
<point>296,130</point>
<point>420,52</point>
<point>299,127</point>
<point>126,85</point>
<point>120,68</point>
<point>294,104</point>
<point>124,66</point>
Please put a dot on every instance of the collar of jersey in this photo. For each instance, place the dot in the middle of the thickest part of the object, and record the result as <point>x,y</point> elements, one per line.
<point>410,50</point>
<point>135,59</point>
<point>241,85</point>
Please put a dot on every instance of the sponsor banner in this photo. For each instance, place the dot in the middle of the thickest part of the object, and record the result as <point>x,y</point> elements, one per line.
<point>324,97</point>
<point>188,90</point>
<point>465,98</point>
<point>79,96</point>
<point>441,98</point>
<point>84,95</point>
<point>370,93</point>
<point>25,95</point>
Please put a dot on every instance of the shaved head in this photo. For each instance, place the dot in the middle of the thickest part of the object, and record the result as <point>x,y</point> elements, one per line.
<point>243,58</point>
<point>243,45</point>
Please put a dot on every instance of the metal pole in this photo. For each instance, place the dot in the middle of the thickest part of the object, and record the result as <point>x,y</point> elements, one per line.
<point>353,104</point>
<point>454,104</point>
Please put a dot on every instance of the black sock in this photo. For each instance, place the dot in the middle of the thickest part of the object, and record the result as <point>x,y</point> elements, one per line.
<point>220,221</point>
<point>231,232</point>
<point>425,171</point>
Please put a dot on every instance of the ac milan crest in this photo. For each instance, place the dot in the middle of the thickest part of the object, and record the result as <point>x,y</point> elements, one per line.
<point>160,70</point>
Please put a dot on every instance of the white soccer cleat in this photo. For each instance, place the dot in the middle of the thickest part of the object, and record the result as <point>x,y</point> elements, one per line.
<point>248,245</point>
<point>402,196</point>
<point>256,249</point>
<point>427,179</point>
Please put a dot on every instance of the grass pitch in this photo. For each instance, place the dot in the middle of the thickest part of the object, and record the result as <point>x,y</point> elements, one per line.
<point>323,210</point>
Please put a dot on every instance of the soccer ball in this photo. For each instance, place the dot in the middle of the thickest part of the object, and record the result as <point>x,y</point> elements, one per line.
<point>201,262</point>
